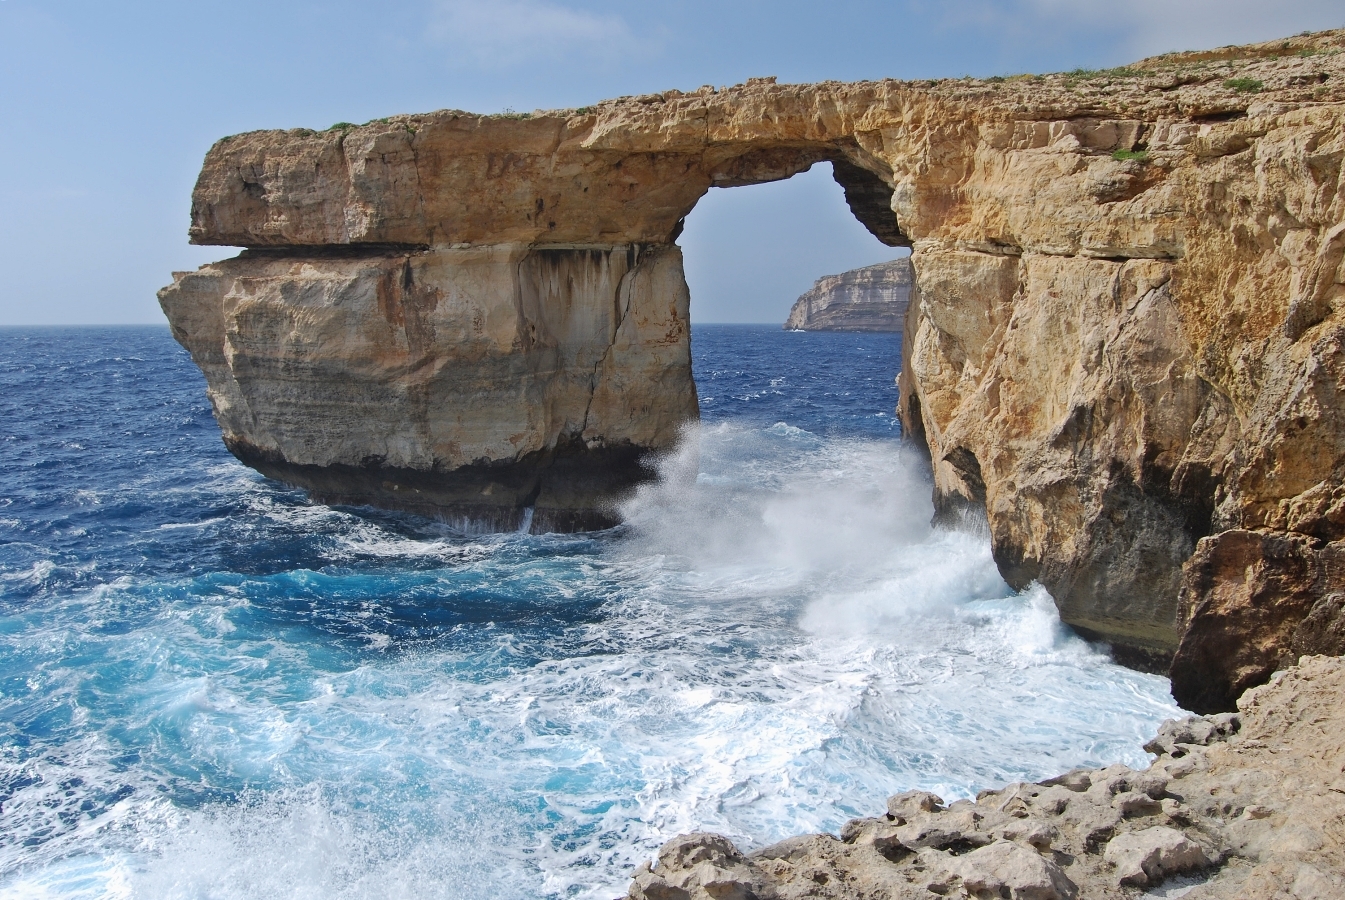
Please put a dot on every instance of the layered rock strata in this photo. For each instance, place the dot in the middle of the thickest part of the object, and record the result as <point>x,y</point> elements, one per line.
<point>1246,806</point>
<point>500,386</point>
<point>873,298</point>
<point>1124,337</point>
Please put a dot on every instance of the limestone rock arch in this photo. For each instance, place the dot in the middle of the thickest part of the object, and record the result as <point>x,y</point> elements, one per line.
<point>482,318</point>
<point>1124,339</point>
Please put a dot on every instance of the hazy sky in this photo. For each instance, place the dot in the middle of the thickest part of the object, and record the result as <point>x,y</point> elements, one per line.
<point>108,108</point>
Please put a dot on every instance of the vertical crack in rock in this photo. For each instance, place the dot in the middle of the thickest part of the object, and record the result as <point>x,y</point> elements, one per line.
<point>620,309</point>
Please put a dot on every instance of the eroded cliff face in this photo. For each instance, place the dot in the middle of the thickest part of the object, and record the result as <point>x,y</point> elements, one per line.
<point>1143,355</point>
<point>874,298</point>
<point>488,385</point>
<point>1124,338</point>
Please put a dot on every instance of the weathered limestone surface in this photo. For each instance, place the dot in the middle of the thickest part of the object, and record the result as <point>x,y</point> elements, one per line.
<point>474,383</point>
<point>1247,806</point>
<point>1125,334</point>
<point>874,298</point>
<point>1254,602</point>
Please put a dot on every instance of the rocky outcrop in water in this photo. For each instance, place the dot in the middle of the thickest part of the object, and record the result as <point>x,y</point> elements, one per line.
<point>497,386</point>
<point>873,298</point>
<point>1124,337</point>
<point>1248,806</point>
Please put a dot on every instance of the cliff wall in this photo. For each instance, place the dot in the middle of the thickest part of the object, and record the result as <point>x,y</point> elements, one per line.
<point>1124,339</point>
<point>873,298</point>
<point>491,385</point>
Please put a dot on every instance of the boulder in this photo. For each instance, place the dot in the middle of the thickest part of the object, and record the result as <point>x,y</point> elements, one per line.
<point>700,867</point>
<point>1009,870</point>
<point>1149,856</point>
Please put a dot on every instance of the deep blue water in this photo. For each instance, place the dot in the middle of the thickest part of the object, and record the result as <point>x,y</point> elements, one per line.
<point>210,687</point>
<point>832,384</point>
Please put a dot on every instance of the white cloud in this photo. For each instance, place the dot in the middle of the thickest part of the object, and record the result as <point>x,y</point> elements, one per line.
<point>499,33</point>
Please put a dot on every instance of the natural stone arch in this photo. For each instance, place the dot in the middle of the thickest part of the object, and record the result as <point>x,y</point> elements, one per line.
<point>1106,346</point>
<point>503,299</point>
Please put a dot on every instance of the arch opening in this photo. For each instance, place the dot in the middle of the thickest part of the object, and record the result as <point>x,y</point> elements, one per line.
<point>750,252</point>
<point>867,191</point>
<point>779,255</point>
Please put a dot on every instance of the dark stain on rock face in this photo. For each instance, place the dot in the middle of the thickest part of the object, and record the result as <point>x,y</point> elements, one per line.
<point>969,469</point>
<point>568,488</point>
<point>409,306</point>
<point>870,199</point>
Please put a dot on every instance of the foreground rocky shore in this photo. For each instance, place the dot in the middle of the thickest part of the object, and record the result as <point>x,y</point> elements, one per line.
<point>1246,805</point>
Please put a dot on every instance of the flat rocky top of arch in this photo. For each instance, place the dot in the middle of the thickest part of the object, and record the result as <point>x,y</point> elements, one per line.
<point>627,170</point>
<point>1125,340</point>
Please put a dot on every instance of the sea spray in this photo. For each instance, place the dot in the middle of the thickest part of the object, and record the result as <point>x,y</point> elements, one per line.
<point>217,689</point>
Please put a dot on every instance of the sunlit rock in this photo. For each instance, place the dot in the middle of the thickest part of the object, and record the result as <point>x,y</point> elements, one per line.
<point>1124,334</point>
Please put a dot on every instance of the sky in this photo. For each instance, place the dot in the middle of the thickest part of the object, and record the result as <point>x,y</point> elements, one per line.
<point>109,108</point>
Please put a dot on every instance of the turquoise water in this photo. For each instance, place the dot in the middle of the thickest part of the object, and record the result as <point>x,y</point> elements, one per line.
<point>210,688</point>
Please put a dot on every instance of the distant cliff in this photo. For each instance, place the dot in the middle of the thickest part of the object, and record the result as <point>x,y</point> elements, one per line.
<point>873,298</point>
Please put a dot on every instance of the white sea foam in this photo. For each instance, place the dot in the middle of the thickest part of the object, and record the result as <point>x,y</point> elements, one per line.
<point>774,642</point>
<point>35,574</point>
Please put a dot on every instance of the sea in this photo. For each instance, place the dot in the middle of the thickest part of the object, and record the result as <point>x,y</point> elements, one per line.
<point>211,687</point>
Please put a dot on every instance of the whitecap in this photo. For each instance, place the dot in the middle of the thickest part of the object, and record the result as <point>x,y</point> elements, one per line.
<point>775,641</point>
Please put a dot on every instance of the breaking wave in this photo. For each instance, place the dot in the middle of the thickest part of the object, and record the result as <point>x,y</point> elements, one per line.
<point>221,691</point>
